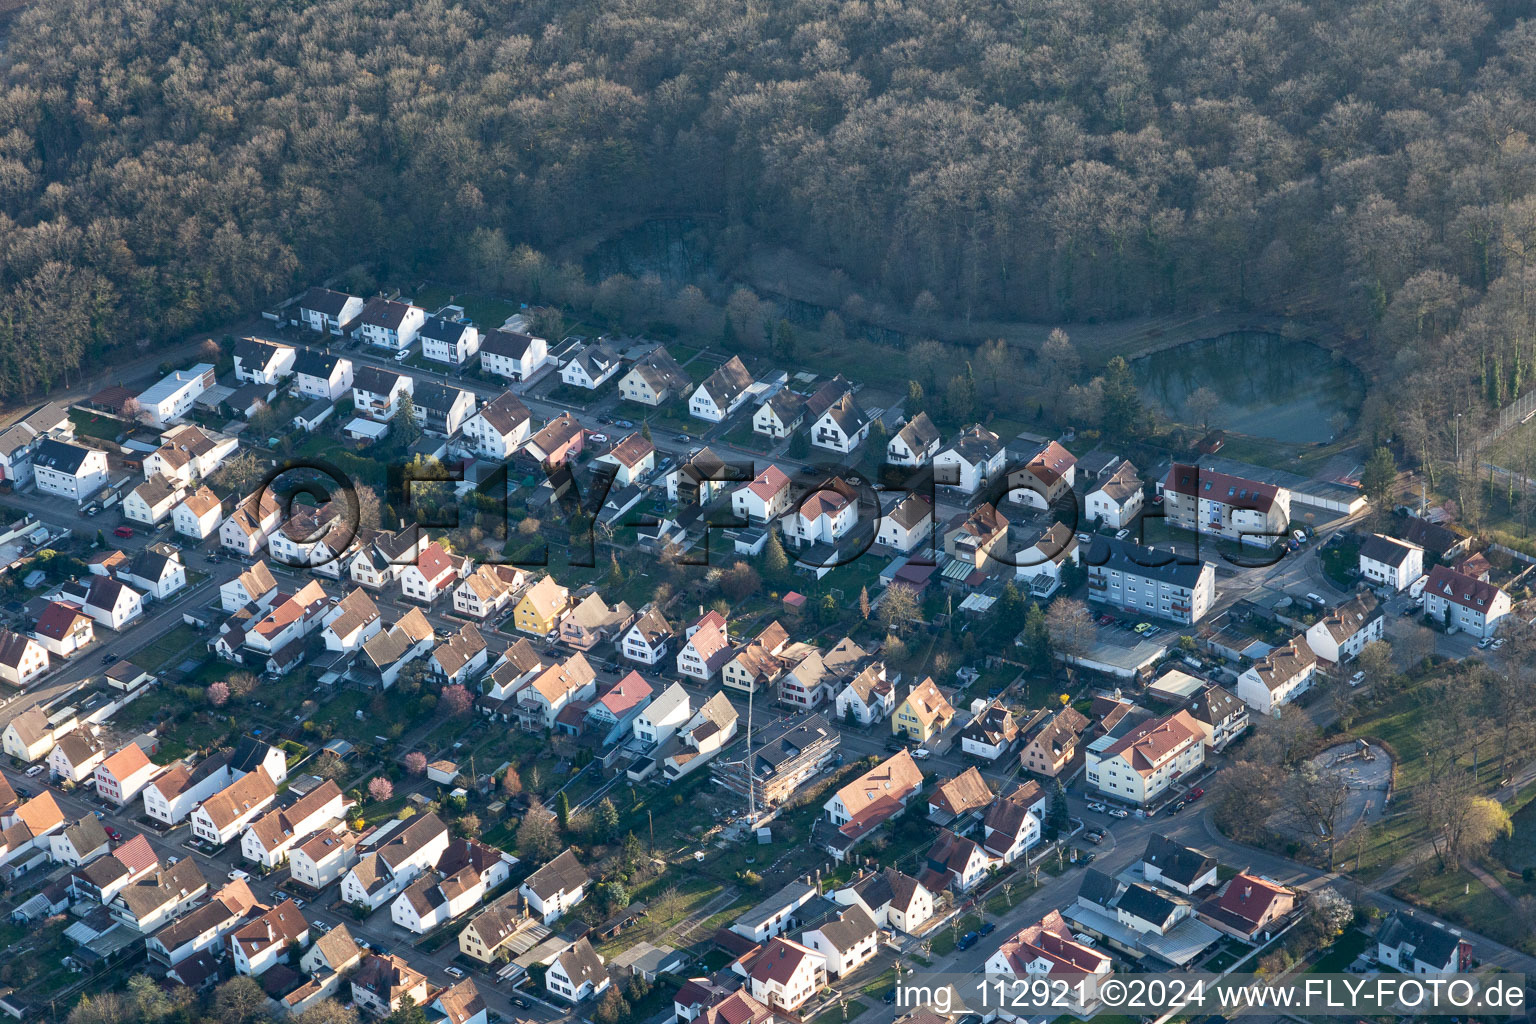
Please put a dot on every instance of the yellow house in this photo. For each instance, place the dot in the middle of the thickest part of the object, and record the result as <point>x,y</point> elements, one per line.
<point>542,607</point>
<point>924,714</point>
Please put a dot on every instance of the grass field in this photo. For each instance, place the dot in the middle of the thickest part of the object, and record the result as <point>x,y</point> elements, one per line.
<point>179,643</point>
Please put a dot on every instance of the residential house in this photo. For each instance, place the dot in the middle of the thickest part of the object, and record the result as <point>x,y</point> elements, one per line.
<point>842,426</point>
<point>978,538</point>
<point>434,573</point>
<point>1146,924</point>
<point>154,572</point>
<point>780,415</point>
<point>377,393</point>
<point>825,515</point>
<point>848,941</point>
<point>160,896</point>
<point>915,444</point>
<point>269,838</point>
<point>1049,951</point>
<point>259,944</point>
<point>1139,765</point>
<point>199,515</point>
<point>63,628</point>
<point>1173,866</point>
<point>956,862</point>
<point>1279,677</point>
<point>1045,478</point>
<point>864,804</point>
<point>613,713</point>
<point>542,607</point>
<point>204,928</point>
<point>459,1003</point>
<point>22,659</point>
<point>1251,907</point>
<point>395,858</point>
<point>387,652</point>
<point>247,529</point>
<point>498,428</point>
<point>320,375</point>
<point>1046,556</point>
<point>68,470</point>
<point>558,442</point>
<point>1464,603</point>
<point>548,693</point>
<point>31,735</point>
<point>151,501</point>
<point>577,973</point>
<point>907,525</point>
<point>765,498</point>
<point>990,733</point>
<point>223,816</point>
<point>1116,500</point>
<point>661,718</point>
<point>654,379</point>
<point>1222,717</point>
<point>1246,511</point>
<point>322,857</point>
<point>591,366</point>
<point>957,800</point>
<point>287,621</point>
<point>176,792</point>
<point>173,396</point>
<point>785,757</point>
<point>923,714</point>
<point>1391,563</point>
<point>706,649</point>
<point>487,590</point>
<point>75,756</point>
<point>701,1002</point>
<point>251,753</point>
<point>262,362</point>
<point>709,731</point>
<point>442,409</point>
<point>487,936</point>
<point>448,341</point>
<point>592,621</point>
<point>461,657</point>
<point>1416,944</point>
<point>787,974</point>
<point>722,391</point>
<point>255,585</point>
<point>103,878</point>
<point>868,697</point>
<point>331,956</point>
<point>1341,634</point>
<point>814,677</point>
<point>19,441</point>
<point>701,479</point>
<point>1140,581</point>
<point>382,555</point>
<point>649,639</point>
<point>389,323</point>
<point>892,899</point>
<point>1011,825</point>
<point>328,312</point>
<point>382,984</point>
<point>972,460</point>
<point>124,774</point>
<point>351,622</point>
<point>556,887</point>
<point>188,454</point>
<point>455,886</point>
<point>633,459</point>
<point>512,355</point>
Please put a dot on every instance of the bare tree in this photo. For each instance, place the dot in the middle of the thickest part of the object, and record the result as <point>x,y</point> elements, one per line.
<point>898,608</point>
<point>1320,796</point>
<point>1070,626</point>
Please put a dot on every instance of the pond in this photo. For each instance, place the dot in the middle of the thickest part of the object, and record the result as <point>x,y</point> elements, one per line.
<point>1267,385</point>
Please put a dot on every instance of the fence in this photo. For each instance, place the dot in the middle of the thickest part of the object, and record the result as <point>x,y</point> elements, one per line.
<point>1510,417</point>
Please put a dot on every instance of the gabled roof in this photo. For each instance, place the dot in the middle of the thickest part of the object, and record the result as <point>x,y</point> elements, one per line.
<point>1008,815</point>
<point>653,626</point>
<point>440,328</point>
<point>660,371</point>
<point>557,433</point>
<point>883,786</point>
<point>847,929</point>
<point>1050,463</point>
<point>314,363</point>
<point>918,433</point>
<point>357,611</point>
<point>768,483</point>
<point>460,649</point>
<point>1468,591</point>
<point>323,300</point>
<point>1246,898</point>
<point>1352,616</point>
<point>846,412</point>
<point>239,798</point>
<point>557,682</point>
<point>1121,484</point>
<point>1432,943</point>
<point>910,512</point>
<point>1052,940</point>
<point>1148,746</point>
<point>966,792</point>
<point>828,499</point>
<point>1285,663</point>
<point>780,959</point>
<point>976,444</point>
<point>1234,491</point>
<point>288,823</point>
<point>624,695</point>
<point>168,885</point>
<point>927,704</point>
<point>581,963</point>
<point>632,450</point>
<point>1177,862</point>
<point>125,763</point>
<point>505,343</point>
<point>505,413</point>
<point>564,874</point>
<point>202,501</point>
<point>255,354</point>
<point>821,400</point>
<point>14,647</point>
<point>376,380</point>
<point>61,456</point>
<point>386,313</point>
<point>281,926</point>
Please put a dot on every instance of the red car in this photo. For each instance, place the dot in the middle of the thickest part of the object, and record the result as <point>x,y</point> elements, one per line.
<point>112,833</point>
<point>1196,793</point>
<point>123,531</point>
<point>1105,620</point>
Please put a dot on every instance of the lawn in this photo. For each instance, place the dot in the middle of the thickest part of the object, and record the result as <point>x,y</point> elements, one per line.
<point>1341,954</point>
<point>840,1013</point>
<point>177,644</point>
<point>1464,900</point>
<point>1340,562</point>
<point>93,425</point>
<point>486,311</point>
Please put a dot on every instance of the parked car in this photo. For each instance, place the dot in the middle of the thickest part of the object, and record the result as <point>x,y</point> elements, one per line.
<point>987,928</point>
<point>1143,627</point>
<point>1096,806</point>
<point>1357,679</point>
<point>453,972</point>
<point>1094,836</point>
<point>1195,794</point>
<point>1300,535</point>
<point>520,1002</point>
<point>112,833</point>
<point>1118,812</point>
<point>922,754</point>
<point>599,438</point>
<point>239,876</point>
<point>1105,620</point>
<point>123,531</point>
<point>967,940</point>
<point>108,659</point>
<point>895,743</point>
<point>1316,599</point>
<point>1177,807</point>
<point>34,771</point>
<point>1122,534</point>
<point>26,794</point>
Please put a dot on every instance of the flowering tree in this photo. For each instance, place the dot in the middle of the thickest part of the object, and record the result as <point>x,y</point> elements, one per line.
<point>415,762</point>
<point>455,699</point>
<point>380,788</point>
<point>218,694</point>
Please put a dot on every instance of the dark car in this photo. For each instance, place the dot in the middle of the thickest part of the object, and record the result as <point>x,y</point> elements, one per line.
<point>1176,808</point>
<point>895,744</point>
<point>967,940</point>
<point>108,659</point>
<point>1094,836</point>
<point>987,928</point>
<point>520,1002</point>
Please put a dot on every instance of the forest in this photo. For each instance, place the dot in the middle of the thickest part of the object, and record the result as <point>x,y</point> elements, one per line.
<point>166,165</point>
